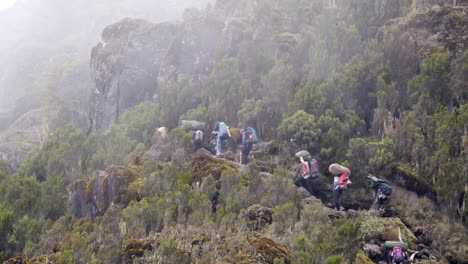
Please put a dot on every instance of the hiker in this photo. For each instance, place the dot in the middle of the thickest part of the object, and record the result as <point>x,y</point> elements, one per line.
<point>249,137</point>
<point>382,190</point>
<point>397,256</point>
<point>304,178</point>
<point>340,182</point>
<point>339,185</point>
<point>223,134</point>
<point>197,140</point>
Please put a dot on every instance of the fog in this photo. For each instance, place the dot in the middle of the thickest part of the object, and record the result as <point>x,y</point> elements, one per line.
<point>41,39</point>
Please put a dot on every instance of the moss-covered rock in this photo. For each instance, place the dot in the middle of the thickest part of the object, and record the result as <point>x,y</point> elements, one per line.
<point>258,216</point>
<point>361,258</point>
<point>118,185</point>
<point>264,251</point>
<point>44,259</point>
<point>405,176</point>
<point>136,248</point>
<point>203,164</point>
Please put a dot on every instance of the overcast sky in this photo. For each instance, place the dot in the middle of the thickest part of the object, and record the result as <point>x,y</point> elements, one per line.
<point>4,4</point>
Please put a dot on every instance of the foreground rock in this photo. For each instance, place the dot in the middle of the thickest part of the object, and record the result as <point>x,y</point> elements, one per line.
<point>92,198</point>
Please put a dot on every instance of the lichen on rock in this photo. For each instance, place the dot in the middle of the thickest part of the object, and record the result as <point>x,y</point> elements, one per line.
<point>203,164</point>
<point>258,216</point>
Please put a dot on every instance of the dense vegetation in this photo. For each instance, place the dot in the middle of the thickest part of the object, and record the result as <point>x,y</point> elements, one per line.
<point>309,73</point>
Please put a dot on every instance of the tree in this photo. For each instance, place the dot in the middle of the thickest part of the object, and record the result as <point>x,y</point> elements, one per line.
<point>302,128</point>
<point>6,227</point>
<point>225,90</point>
<point>433,80</point>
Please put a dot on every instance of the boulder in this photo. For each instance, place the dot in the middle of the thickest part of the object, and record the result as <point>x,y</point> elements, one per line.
<point>373,251</point>
<point>258,216</point>
<point>303,193</point>
<point>136,248</point>
<point>94,197</point>
<point>263,251</point>
<point>204,164</point>
<point>361,258</point>
<point>405,176</point>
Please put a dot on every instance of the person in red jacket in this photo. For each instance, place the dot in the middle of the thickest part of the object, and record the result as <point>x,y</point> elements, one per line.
<point>339,185</point>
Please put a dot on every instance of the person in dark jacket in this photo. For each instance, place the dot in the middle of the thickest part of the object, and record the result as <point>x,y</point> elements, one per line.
<point>197,140</point>
<point>249,137</point>
<point>382,190</point>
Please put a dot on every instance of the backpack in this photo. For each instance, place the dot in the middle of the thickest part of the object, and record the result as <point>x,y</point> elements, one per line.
<point>397,255</point>
<point>198,136</point>
<point>314,171</point>
<point>223,131</point>
<point>385,189</point>
<point>250,135</point>
<point>343,181</point>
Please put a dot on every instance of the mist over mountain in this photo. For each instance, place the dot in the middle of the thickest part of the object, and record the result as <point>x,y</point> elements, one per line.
<point>235,131</point>
<point>42,39</point>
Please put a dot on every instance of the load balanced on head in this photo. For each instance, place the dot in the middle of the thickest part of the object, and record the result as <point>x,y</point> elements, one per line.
<point>340,181</point>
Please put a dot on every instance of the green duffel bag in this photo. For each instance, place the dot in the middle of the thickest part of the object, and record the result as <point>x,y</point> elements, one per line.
<point>391,244</point>
<point>305,154</point>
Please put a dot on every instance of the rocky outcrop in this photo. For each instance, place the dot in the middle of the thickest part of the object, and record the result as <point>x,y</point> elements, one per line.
<point>134,57</point>
<point>263,250</point>
<point>92,198</point>
<point>203,164</point>
<point>258,216</point>
<point>426,31</point>
<point>424,5</point>
<point>125,66</point>
<point>134,248</point>
<point>404,176</point>
<point>26,133</point>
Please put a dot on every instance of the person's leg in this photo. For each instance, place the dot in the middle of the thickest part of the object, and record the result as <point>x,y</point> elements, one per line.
<point>299,182</point>
<point>223,146</point>
<point>245,153</point>
<point>308,185</point>
<point>219,146</point>
<point>337,194</point>
<point>198,145</point>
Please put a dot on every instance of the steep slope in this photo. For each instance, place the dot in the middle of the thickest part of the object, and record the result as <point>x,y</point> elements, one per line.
<point>43,36</point>
<point>148,216</point>
<point>44,62</point>
<point>379,86</point>
<point>134,56</point>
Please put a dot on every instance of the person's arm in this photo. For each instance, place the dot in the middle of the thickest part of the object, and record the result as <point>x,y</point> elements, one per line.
<point>302,160</point>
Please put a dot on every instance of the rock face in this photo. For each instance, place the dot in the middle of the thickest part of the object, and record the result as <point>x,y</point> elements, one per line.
<point>405,176</point>
<point>92,198</point>
<point>24,135</point>
<point>135,56</point>
<point>440,28</point>
<point>125,67</point>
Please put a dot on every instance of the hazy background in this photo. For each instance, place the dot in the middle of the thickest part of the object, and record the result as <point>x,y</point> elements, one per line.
<point>45,46</point>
